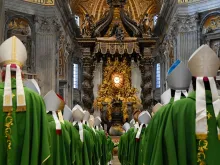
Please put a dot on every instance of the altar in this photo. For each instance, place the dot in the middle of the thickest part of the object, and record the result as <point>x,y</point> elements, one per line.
<point>117,67</point>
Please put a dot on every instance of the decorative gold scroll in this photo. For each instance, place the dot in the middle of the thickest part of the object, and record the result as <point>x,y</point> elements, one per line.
<point>42,2</point>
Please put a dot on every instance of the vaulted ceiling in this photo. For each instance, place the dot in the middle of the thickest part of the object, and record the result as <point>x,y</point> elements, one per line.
<point>97,8</point>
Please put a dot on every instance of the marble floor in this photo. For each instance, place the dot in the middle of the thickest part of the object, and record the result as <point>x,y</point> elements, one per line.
<point>116,161</point>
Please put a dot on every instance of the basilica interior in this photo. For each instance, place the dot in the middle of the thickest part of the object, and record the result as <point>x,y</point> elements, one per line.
<point>109,56</point>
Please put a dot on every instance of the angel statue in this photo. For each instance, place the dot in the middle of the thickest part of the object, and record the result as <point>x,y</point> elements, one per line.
<point>87,26</point>
<point>145,25</point>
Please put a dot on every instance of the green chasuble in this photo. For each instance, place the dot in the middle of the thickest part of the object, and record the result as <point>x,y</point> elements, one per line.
<point>27,143</point>
<point>87,147</point>
<point>76,144</point>
<point>110,147</point>
<point>132,145</point>
<point>123,149</point>
<point>102,136</point>
<point>138,151</point>
<point>94,153</point>
<point>59,144</point>
<point>182,146</point>
<point>98,146</point>
<point>153,137</point>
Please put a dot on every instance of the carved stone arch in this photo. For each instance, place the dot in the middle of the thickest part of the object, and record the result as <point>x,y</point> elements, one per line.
<point>30,39</point>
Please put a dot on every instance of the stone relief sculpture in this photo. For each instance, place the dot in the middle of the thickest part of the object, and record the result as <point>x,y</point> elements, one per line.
<point>87,26</point>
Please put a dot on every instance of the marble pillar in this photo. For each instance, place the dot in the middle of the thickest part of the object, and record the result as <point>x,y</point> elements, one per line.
<point>47,54</point>
<point>136,77</point>
<point>87,83</point>
<point>180,41</point>
<point>146,67</point>
<point>184,32</point>
<point>2,21</point>
<point>97,79</point>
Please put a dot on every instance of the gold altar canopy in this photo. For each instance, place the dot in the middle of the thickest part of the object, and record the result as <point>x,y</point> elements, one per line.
<point>116,87</point>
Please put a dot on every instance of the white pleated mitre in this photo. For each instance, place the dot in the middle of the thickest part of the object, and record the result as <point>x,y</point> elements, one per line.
<point>204,63</point>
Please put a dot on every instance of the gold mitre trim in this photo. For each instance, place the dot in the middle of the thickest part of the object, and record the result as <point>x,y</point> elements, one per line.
<point>12,62</point>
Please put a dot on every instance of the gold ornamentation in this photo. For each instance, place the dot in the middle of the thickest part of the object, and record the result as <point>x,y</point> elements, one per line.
<point>21,100</point>
<point>209,115</point>
<point>42,2</point>
<point>21,109</point>
<point>108,93</point>
<point>8,124</point>
<point>13,48</point>
<point>117,80</point>
<point>202,148</point>
<point>211,24</point>
<point>12,62</point>
<point>7,99</point>
<point>187,1</point>
<point>60,116</point>
<point>201,136</point>
<point>112,46</point>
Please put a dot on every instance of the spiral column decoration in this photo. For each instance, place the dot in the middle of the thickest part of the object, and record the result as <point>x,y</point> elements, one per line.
<point>146,65</point>
<point>87,83</point>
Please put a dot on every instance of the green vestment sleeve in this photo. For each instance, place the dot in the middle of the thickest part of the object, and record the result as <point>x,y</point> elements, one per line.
<point>161,157</point>
<point>122,149</point>
<point>189,149</point>
<point>131,146</point>
<point>76,144</point>
<point>59,144</point>
<point>28,131</point>
<point>110,147</point>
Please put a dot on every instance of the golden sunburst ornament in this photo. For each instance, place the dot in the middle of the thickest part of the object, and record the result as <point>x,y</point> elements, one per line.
<point>117,80</point>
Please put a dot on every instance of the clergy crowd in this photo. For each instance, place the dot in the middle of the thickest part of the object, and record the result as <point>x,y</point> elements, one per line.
<point>36,130</point>
<point>184,129</point>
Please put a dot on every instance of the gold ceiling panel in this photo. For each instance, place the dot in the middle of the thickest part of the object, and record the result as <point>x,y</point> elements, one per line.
<point>97,8</point>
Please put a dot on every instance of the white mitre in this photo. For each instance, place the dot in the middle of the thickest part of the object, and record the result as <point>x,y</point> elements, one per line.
<point>204,62</point>
<point>97,121</point>
<point>13,55</point>
<point>132,123</point>
<point>86,116</point>
<point>126,126</point>
<point>144,117</point>
<point>52,101</point>
<point>67,113</point>
<point>91,121</point>
<point>32,84</point>
<point>78,113</point>
<point>13,51</point>
<point>165,97</point>
<point>156,108</point>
